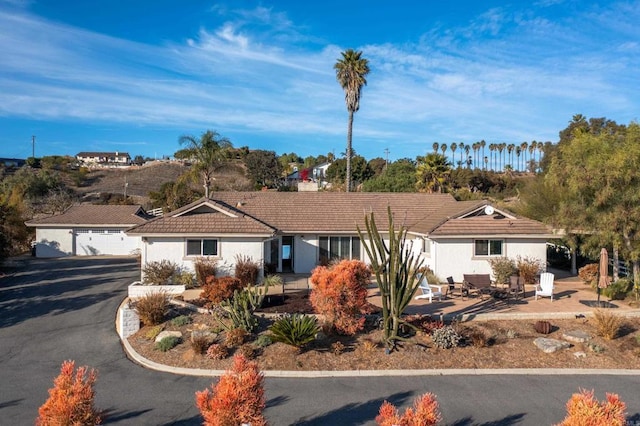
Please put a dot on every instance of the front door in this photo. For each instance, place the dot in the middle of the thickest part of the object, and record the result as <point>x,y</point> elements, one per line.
<point>287,254</point>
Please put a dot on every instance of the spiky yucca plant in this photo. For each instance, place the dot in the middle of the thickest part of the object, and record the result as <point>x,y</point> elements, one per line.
<point>396,268</point>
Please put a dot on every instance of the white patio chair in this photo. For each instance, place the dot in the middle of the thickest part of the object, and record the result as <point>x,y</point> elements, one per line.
<point>429,291</point>
<point>545,288</point>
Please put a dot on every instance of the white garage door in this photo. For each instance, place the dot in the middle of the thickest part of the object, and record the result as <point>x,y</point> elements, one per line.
<point>92,242</point>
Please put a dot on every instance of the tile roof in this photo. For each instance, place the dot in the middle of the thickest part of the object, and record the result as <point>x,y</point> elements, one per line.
<point>320,212</point>
<point>95,215</point>
<point>495,224</point>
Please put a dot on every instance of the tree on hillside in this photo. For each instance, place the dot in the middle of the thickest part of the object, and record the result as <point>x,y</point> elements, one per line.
<point>599,176</point>
<point>400,176</point>
<point>208,153</point>
<point>432,173</point>
<point>360,171</point>
<point>377,165</point>
<point>351,71</point>
<point>263,167</point>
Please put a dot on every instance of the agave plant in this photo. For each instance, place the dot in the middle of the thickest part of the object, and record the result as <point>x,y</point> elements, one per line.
<point>294,329</point>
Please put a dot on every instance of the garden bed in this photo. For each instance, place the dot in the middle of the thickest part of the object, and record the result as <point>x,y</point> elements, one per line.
<point>507,344</point>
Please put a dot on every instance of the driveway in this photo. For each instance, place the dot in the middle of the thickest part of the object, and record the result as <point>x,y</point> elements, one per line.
<point>53,310</point>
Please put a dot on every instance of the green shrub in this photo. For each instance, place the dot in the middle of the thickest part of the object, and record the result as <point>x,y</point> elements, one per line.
<point>167,343</point>
<point>204,268</point>
<point>152,308</point>
<point>246,270</point>
<point>502,268</point>
<point>264,340</point>
<point>185,278</point>
<point>159,273</point>
<point>294,329</point>
<point>619,289</point>
<point>180,321</point>
<point>446,337</point>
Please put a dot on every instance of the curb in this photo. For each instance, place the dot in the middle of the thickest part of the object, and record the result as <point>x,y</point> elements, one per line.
<point>152,365</point>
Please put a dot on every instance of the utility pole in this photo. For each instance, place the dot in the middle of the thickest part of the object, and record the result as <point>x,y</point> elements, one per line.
<point>386,163</point>
<point>33,146</point>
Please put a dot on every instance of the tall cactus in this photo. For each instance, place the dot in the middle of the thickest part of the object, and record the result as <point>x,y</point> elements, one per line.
<point>396,268</point>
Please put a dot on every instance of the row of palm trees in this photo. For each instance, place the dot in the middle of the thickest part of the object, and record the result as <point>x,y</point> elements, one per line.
<point>499,154</point>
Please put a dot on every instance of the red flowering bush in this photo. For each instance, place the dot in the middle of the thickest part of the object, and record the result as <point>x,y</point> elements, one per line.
<point>217,289</point>
<point>584,409</point>
<point>340,294</point>
<point>70,399</point>
<point>425,412</point>
<point>238,397</point>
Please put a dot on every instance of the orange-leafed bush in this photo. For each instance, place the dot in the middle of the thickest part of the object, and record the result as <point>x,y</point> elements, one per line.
<point>584,409</point>
<point>70,399</point>
<point>218,289</point>
<point>340,294</point>
<point>425,412</point>
<point>238,397</point>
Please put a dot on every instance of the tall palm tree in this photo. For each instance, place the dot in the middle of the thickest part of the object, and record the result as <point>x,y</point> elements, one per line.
<point>518,152</point>
<point>492,150</point>
<point>467,148</point>
<point>483,144</point>
<point>501,147</point>
<point>435,146</point>
<point>208,154</point>
<point>523,148</point>
<point>510,149</point>
<point>351,71</point>
<point>454,147</point>
<point>532,156</point>
<point>462,148</point>
<point>443,147</point>
<point>476,147</point>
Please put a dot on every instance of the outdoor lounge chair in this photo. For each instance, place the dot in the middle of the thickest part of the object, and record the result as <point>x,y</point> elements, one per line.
<point>545,288</point>
<point>429,291</point>
<point>477,283</point>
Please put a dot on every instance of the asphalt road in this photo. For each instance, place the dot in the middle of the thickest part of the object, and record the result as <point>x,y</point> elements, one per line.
<point>53,310</point>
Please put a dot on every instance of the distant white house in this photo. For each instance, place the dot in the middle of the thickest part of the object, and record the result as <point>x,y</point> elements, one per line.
<point>296,231</point>
<point>104,159</point>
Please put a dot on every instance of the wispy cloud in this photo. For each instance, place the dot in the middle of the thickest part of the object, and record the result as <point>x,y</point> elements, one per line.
<point>508,75</point>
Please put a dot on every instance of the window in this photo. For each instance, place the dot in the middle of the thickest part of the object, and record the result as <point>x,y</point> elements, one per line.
<point>202,247</point>
<point>488,247</point>
<point>339,248</point>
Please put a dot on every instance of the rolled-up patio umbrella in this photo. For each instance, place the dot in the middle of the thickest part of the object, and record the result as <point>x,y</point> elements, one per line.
<point>603,272</point>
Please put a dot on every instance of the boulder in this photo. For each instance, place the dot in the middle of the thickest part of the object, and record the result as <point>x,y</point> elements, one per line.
<point>576,336</point>
<point>167,333</point>
<point>550,346</point>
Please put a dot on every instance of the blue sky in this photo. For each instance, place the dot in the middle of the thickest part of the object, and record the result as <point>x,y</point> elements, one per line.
<point>134,76</point>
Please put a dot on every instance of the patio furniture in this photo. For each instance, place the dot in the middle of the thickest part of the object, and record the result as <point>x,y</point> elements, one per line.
<point>545,287</point>
<point>516,287</point>
<point>429,291</point>
<point>452,287</point>
<point>477,283</point>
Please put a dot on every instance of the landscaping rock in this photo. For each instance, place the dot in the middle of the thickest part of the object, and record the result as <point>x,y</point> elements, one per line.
<point>167,333</point>
<point>550,346</point>
<point>576,336</point>
<point>580,354</point>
